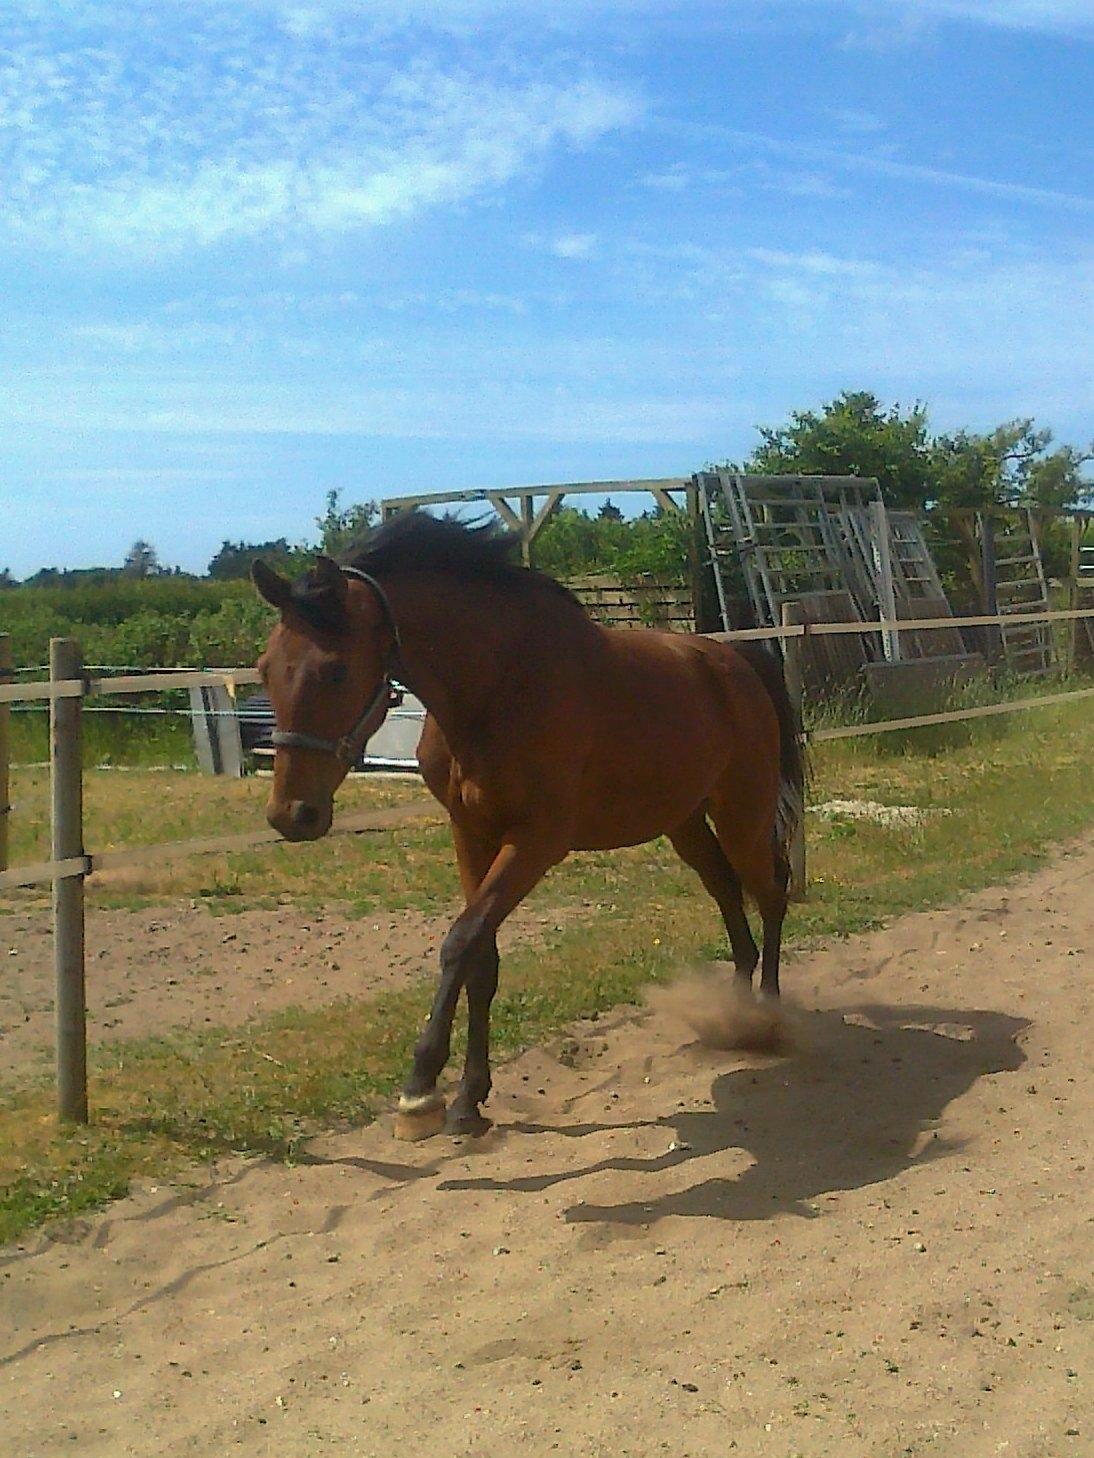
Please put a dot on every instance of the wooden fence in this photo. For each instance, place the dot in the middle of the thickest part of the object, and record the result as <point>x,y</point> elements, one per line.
<point>70,862</point>
<point>647,602</point>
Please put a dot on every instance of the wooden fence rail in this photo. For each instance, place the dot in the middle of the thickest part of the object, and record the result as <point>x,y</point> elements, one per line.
<point>70,863</point>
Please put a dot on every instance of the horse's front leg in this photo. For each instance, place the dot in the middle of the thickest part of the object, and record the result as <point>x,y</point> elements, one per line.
<point>469,958</point>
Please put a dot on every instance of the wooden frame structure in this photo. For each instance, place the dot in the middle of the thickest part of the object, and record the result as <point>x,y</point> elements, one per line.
<point>526,510</point>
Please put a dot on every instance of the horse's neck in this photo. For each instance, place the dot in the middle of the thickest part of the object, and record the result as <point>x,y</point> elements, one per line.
<point>457,645</point>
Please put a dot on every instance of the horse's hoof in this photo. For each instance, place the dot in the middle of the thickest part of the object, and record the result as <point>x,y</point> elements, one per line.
<point>419,1117</point>
<point>467,1121</point>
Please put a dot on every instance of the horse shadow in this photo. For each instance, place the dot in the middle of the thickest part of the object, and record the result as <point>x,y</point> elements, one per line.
<point>859,1105</point>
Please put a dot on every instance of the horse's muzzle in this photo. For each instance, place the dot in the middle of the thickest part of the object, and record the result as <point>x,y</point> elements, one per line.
<point>299,820</point>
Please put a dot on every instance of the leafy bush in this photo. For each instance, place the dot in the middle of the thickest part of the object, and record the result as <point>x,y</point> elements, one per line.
<point>145,623</point>
<point>655,544</point>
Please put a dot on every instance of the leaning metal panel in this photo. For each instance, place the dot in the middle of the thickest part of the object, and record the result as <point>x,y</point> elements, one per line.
<point>795,536</point>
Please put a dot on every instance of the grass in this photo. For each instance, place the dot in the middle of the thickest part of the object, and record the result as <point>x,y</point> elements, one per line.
<point>132,739</point>
<point>148,806</point>
<point>1014,788</point>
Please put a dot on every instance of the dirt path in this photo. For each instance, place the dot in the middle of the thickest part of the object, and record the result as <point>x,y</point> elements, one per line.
<point>879,1247</point>
<point>182,966</point>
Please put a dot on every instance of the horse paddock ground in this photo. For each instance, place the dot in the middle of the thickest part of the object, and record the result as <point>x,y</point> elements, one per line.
<point>879,1246</point>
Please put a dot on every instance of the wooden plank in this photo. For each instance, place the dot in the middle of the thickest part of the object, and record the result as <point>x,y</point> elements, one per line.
<point>394,504</point>
<point>939,642</point>
<point>644,604</point>
<point>665,501</point>
<point>826,660</point>
<point>874,626</point>
<point>67,843</point>
<point>369,820</point>
<point>18,693</point>
<point>954,716</point>
<point>544,514</point>
<point>184,678</point>
<point>792,677</point>
<point>36,873</point>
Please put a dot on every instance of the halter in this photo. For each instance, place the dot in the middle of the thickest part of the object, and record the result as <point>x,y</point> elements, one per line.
<point>347,750</point>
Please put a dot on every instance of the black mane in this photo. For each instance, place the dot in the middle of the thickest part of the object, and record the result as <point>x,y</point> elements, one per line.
<point>479,551</point>
<point>417,542</point>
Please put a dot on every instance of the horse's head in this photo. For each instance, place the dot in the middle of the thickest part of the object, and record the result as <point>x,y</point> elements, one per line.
<point>325,669</point>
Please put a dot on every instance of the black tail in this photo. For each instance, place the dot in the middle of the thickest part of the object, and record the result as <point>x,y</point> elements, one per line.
<point>793,764</point>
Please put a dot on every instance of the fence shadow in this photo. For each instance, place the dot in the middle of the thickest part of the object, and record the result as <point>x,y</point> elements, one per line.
<point>850,1112</point>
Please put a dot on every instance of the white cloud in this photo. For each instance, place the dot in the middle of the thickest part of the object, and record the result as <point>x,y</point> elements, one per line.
<point>676,178</point>
<point>1073,17</point>
<point>854,120</point>
<point>887,166</point>
<point>1011,332</point>
<point>888,24</point>
<point>725,182</point>
<point>164,135</point>
<point>815,264</point>
<point>574,245</point>
<point>307,17</point>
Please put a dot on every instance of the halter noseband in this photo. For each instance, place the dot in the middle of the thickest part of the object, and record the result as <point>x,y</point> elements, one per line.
<point>347,750</point>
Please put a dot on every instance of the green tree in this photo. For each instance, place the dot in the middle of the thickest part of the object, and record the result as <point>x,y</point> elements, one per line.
<point>1012,465</point>
<point>234,559</point>
<point>341,528</point>
<point>141,560</point>
<point>573,543</point>
<point>853,435</point>
<point>6,579</point>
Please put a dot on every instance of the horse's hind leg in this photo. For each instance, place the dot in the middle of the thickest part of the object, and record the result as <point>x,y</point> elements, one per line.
<point>697,846</point>
<point>764,871</point>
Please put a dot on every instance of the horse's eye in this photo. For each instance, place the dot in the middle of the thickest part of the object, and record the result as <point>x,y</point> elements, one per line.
<point>337,675</point>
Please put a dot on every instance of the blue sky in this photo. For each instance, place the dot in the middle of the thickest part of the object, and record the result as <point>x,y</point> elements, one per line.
<point>250,251</point>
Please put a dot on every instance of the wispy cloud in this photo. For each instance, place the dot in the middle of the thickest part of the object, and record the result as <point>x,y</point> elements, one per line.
<point>846,160</point>
<point>574,245</point>
<point>1069,17</point>
<point>168,134</point>
<point>891,24</point>
<point>309,17</point>
<point>1015,329</point>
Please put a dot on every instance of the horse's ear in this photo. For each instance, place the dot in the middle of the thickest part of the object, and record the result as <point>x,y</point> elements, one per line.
<point>328,576</point>
<point>271,585</point>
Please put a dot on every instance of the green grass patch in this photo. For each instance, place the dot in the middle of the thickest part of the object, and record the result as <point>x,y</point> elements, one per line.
<point>159,1104</point>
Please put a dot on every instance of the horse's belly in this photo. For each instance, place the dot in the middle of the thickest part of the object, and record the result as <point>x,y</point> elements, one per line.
<point>619,811</point>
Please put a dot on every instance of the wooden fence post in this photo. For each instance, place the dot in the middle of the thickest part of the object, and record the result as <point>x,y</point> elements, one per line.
<point>792,616</point>
<point>6,676</point>
<point>66,783</point>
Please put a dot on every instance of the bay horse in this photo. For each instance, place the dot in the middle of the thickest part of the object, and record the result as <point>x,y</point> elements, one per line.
<point>545,733</point>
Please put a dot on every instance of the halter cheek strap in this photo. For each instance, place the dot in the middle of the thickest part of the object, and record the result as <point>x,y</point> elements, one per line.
<point>348,749</point>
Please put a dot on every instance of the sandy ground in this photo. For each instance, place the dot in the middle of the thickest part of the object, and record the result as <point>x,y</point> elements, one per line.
<point>182,966</point>
<point>880,1246</point>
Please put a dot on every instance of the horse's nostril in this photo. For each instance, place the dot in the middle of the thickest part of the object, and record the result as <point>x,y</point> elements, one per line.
<point>303,815</point>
